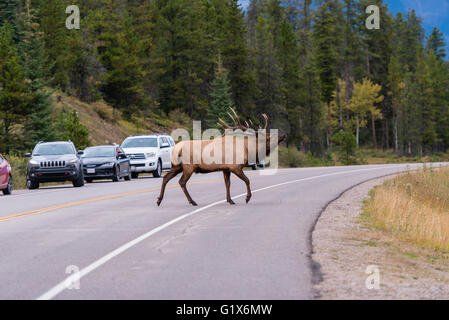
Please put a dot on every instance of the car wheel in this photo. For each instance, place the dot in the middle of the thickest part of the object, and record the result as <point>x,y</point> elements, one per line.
<point>128,177</point>
<point>158,172</point>
<point>79,182</point>
<point>116,176</point>
<point>32,185</point>
<point>134,175</point>
<point>254,167</point>
<point>8,189</point>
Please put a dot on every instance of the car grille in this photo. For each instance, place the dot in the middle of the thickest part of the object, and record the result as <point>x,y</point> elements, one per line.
<point>137,156</point>
<point>53,164</point>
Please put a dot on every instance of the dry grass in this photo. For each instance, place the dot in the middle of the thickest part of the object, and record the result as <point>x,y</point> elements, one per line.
<point>414,207</point>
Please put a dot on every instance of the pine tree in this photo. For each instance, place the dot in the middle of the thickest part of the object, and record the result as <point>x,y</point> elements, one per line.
<point>327,34</point>
<point>220,95</point>
<point>436,43</point>
<point>38,126</point>
<point>57,41</point>
<point>71,128</point>
<point>309,82</point>
<point>8,13</point>
<point>233,48</point>
<point>14,90</point>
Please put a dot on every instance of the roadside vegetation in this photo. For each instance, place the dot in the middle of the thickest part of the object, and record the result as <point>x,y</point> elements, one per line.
<point>413,207</point>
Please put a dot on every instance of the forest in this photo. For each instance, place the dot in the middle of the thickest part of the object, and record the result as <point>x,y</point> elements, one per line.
<point>314,67</point>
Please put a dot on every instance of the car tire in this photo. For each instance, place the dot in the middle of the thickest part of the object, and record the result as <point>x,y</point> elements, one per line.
<point>134,175</point>
<point>8,189</point>
<point>116,176</point>
<point>32,185</point>
<point>79,182</point>
<point>158,172</point>
<point>128,177</point>
<point>254,167</point>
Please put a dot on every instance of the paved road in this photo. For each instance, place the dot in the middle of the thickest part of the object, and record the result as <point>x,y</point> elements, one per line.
<point>127,248</point>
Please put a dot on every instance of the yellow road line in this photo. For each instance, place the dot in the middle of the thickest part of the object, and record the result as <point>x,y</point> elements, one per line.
<point>112,196</point>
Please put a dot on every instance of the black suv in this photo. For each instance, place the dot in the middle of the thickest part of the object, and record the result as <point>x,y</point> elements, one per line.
<point>54,162</point>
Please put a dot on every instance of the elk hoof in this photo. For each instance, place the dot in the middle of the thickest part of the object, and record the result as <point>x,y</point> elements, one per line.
<point>248,198</point>
<point>159,201</point>
<point>193,203</point>
<point>231,202</point>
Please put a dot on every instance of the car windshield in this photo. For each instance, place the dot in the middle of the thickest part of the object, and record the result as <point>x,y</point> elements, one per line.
<point>53,149</point>
<point>140,143</point>
<point>100,152</point>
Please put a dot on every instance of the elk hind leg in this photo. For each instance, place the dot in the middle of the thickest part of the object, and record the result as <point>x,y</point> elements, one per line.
<point>239,173</point>
<point>227,179</point>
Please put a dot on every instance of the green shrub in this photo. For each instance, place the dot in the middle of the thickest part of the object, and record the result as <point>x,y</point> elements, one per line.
<point>19,170</point>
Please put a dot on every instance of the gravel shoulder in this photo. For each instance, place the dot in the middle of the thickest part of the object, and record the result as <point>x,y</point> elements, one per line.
<point>344,246</point>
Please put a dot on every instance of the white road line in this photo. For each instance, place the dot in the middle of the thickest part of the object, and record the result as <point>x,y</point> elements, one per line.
<point>53,292</point>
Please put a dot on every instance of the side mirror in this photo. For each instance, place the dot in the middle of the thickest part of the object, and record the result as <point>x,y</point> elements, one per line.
<point>165,145</point>
<point>27,155</point>
<point>80,152</point>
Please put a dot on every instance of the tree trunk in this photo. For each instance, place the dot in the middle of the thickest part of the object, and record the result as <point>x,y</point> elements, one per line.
<point>358,132</point>
<point>395,132</point>
<point>329,123</point>
<point>387,133</point>
<point>373,126</point>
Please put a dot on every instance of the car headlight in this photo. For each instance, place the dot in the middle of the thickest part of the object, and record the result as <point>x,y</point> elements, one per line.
<point>73,161</point>
<point>109,164</point>
<point>34,162</point>
<point>151,155</point>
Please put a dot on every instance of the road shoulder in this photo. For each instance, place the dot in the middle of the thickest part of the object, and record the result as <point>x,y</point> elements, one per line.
<point>344,246</point>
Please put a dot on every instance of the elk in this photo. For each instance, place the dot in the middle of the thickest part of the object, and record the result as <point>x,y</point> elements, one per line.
<point>182,159</point>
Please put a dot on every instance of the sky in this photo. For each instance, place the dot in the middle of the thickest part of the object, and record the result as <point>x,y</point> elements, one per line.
<point>435,13</point>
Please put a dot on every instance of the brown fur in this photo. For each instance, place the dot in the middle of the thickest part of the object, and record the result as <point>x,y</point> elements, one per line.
<point>180,152</point>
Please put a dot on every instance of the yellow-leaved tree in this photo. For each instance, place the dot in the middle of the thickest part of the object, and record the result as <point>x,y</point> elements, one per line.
<point>365,96</point>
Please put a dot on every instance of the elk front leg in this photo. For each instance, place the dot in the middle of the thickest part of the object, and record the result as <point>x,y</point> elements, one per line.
<point>183,183</point>
<point>227,179</point>
<point>239,173</point>
<point>173,173</point>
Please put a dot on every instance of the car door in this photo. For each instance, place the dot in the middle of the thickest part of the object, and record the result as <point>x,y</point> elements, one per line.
<point>165,152</point>
<point>3,173</point>
<point>123,161</point>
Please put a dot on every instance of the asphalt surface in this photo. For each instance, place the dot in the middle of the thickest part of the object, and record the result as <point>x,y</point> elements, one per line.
<point>125,247</point>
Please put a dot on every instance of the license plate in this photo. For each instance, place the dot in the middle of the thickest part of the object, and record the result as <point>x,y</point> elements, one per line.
<point>90,171</point>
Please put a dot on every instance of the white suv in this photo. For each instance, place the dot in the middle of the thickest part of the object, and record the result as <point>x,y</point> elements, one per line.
<point>149,153</point>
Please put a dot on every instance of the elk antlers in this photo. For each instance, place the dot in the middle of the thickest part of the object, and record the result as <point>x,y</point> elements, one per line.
<point>238,125</point>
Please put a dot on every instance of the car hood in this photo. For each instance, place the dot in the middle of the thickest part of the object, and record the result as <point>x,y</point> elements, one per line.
<point>101,160</point>
<point>139,150</point>
<point>65,157</point>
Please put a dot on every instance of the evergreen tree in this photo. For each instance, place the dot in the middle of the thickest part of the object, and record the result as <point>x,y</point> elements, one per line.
<point>38,126</point>
<point>71,128</point>
<point>436,43</point>
<point>8,13</point>
<point>309,82</point>
<point>220,95</point>
<point>327,34</point>
<point>14,90</point>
